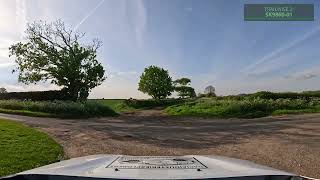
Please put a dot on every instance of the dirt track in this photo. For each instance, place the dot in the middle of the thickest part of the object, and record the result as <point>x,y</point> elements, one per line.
<point>290,143</point>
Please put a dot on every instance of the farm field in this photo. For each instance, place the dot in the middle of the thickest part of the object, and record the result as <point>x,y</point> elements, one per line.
<point>254,105</point>
<point>289,142</point>
<point>23,148</point>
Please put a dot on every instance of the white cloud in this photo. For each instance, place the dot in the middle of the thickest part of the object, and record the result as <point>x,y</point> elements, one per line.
<point>21,16</point>
<point>305,74</point>
<point>32,87</point>
<point>6,65</point>
<point>7,19</point>
<point>13,17</point>
<point>140,21</point>
<point>4,49</point>
<point>118,87</point>
<point>126,73</point>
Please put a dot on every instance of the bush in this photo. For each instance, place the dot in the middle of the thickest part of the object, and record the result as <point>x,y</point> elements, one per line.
<point>60,108</point>
<point>248,108</point>
<point>212,94</point>
<point>286,95</point>
<point>151,103</point>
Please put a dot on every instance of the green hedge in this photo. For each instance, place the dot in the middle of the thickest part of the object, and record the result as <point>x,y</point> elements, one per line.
<point>35,95</point>
<point>151,103</point>
<point>286,95</point>
<point>67,109</point>
<point>243,108</point>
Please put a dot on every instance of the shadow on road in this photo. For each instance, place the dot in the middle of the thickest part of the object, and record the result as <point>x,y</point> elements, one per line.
<point>179,132</point>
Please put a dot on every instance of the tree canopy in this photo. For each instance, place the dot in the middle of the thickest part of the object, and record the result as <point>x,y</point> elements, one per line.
<point>3,90</point>
<point>181,86</point>
<point>182,81</point>
<point>156,82</point>
<point>185,91</point>
<point>210,91</point>
<point>53,53</point>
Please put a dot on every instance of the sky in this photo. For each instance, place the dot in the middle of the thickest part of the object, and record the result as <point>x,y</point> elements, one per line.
<point>207,41</point>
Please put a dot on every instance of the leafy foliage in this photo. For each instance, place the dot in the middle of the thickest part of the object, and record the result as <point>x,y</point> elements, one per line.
<point>150,103</point>
<point>156,82</point>
<point>181,86</point>
<point>185,91</point>
<point>212,94</point>
<point>209,91</point>
<point>118,105</point>
<point>3,90</point>
<point>285,95</point>
<point>245,108</point>
<point>53,53</point>
<point>182,81</point>
<point>64,109</point>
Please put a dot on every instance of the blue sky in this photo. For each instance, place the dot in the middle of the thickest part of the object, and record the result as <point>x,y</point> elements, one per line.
<point>207,41</point>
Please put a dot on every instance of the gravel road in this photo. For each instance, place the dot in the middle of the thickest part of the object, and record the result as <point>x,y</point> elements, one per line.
<point>290,143</point>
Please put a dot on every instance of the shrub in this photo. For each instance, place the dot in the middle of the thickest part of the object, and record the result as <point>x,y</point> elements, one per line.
<point>150,103</point>
<point>286,95</point>
<point>60,108</point>
<point>212,94</point>
<point>248,108</point>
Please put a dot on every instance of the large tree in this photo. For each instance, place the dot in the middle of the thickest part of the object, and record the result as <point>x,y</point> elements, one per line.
<point>156,82</point>
<point>53,53</point>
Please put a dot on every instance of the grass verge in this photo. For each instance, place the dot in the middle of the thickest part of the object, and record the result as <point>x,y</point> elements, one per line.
<point>26,113</point>
<point>23,148</point>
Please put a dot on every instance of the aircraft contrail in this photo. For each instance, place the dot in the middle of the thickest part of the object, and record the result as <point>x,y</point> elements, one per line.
<point>21,16</point>
<point>88,15</point>
<point>283,48</point>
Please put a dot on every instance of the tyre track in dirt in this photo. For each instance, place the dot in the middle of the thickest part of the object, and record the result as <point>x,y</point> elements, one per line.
<point>290,143</point>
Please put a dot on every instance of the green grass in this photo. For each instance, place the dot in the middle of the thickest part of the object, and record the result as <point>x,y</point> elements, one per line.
<point>26,113</point>
<point>117,105</point>
<point>122,105</point>
<point>23,148</point>
<point>300,111</point>
<point>62,109</point>
<point>245,108</point>
<point>152,103</point>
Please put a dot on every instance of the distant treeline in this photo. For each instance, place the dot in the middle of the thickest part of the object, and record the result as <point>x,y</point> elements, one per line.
<point>286,95</point>
<point>275,95</point>
<point>151,103</point>
<point>62,95</point>
<point>35,95</point>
